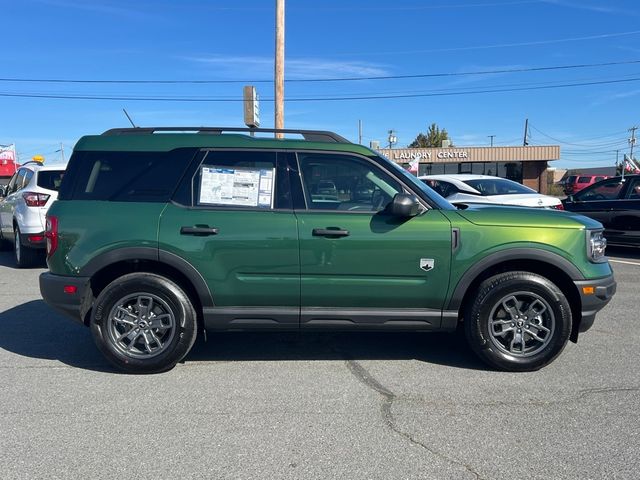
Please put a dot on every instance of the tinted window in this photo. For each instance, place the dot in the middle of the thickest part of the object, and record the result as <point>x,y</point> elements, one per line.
<point>237,179</point>
<point>634,189</point>
<point>50,179</point>
<point>443,188</point>
<point>498,186</point>
<point>12,183</point>
<point>607,190</point>
<point>584,179</point>
<point>19,181</point>
<point>28,175</point>
<point>341,182</point>
<point>124,176</point>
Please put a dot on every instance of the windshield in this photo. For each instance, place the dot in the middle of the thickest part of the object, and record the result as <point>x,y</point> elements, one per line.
<point>498,186</point>
<point>418,185</point>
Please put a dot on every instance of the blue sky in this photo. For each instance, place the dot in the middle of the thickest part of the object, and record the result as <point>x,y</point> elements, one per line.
<point>232,40</point>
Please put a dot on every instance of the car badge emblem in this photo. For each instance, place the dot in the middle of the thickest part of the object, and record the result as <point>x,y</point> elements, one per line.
<point>427,264</point>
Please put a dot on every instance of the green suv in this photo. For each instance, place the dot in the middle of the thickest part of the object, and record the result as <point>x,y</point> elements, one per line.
<point>159,233</point>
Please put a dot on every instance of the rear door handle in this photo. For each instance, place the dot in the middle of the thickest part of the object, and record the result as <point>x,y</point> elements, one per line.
<point>198,231</point>
<point>330,232</point>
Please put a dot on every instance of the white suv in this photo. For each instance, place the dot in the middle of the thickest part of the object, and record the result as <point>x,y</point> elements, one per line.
<point>23,205</point>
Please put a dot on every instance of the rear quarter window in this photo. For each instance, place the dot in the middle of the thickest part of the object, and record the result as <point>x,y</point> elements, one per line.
<point>50,179</point>
<point>124,176</point>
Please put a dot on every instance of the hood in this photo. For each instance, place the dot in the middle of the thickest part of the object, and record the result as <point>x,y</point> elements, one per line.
<point>520,199</point>
<point>526,199</point>
<point>499,216</point>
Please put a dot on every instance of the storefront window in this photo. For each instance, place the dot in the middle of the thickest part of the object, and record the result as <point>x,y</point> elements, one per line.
<point>510,170</point>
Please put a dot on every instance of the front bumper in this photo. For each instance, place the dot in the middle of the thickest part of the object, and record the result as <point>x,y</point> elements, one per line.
<point>74,304</point>
<point>592,303</point>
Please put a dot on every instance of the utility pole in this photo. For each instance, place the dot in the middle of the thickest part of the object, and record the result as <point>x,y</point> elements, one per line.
<point>360,132</point>
<point>279,68</point>
<point>491,137</point>
<point>62,151</point>
<point>632,141</point>
<point>526,131</point>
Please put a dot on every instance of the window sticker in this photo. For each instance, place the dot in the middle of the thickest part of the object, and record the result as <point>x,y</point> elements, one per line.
<point>243,187</point>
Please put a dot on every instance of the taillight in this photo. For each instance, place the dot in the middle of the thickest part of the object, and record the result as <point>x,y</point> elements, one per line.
<point>35,199</point>
<point>558,207</point>
<point>51,232</point>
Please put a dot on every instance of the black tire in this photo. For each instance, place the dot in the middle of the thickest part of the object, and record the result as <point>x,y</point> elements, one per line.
<point>5,245</point>
<point>518,321</point>
<point>25,257</point>
<point>166,345</point>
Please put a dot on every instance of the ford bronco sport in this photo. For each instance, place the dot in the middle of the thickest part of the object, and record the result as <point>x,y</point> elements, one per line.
<point>159,233</point>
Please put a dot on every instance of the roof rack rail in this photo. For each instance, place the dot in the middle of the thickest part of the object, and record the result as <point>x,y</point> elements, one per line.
<point>309,135</point>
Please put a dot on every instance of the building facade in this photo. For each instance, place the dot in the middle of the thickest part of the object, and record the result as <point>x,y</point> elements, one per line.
<point>526,165</point>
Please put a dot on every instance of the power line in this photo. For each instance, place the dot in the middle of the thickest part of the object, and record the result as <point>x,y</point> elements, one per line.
<point>322,80</point>
<point>602,144</point>
<point>311,99</point>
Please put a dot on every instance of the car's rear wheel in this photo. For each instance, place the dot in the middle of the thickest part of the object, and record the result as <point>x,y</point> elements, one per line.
<point>143,323</point>
<point>25,256</point>
<point>518,321</point>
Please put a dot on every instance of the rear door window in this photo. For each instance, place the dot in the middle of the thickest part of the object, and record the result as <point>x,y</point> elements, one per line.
<point>236,179</point>
<point>605,191</point>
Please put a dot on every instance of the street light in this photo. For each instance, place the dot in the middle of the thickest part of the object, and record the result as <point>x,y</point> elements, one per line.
<point>392,139</point>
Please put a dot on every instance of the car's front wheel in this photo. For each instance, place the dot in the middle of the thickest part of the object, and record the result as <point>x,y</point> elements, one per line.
<point>143,323</point>
<point>518,321</point>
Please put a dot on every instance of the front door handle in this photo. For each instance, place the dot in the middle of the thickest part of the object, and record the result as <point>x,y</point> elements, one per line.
<point>198,231</point>
<point>330,232</point>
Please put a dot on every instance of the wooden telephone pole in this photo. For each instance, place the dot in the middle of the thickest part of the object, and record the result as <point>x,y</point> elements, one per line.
<point>279,68</point>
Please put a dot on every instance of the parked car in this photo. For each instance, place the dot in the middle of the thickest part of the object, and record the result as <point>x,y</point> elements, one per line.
<point>463,188</point>
<point>614,202</point>
<point>575,183</point>
<point>24,202</point>
<point>155,237</point>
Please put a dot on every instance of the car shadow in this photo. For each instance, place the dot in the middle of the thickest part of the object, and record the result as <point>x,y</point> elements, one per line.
<point>34,330</point>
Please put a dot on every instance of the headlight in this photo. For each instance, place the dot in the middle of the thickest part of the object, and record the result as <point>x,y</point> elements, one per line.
<point>596,245</point>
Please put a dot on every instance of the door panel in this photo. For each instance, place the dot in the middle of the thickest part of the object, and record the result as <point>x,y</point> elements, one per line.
<point>367,274</point>
<point>232,220</point>
<point>252,260</point>
<point>378,264</point>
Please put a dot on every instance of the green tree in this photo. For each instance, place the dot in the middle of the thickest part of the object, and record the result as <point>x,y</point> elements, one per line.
<point>433,138</point>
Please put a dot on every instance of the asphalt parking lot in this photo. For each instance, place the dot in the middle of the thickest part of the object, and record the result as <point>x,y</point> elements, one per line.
<point>349,406</point>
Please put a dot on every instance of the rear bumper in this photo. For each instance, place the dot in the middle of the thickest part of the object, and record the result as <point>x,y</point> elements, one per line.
<point>592,303</point>
<point>33,240</point>
<point>73,304</point>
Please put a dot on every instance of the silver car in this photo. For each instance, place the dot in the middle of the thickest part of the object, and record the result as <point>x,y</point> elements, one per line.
<point>23,205</point>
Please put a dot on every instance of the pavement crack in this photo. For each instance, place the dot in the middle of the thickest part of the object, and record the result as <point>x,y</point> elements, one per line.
<point>594,391</point>
<point>364,377</point>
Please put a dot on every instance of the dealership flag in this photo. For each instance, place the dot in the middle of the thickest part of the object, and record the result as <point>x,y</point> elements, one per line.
<point>414,163</point>
<point>7,154</point>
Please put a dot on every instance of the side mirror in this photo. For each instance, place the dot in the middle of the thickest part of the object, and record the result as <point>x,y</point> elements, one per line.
<point>3,191</point>
<point>404,205</point>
